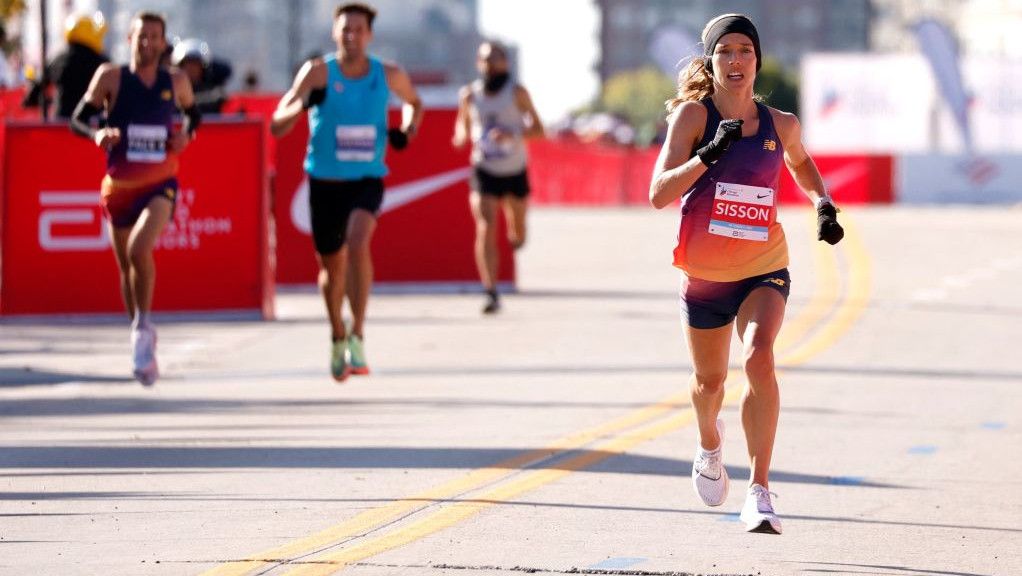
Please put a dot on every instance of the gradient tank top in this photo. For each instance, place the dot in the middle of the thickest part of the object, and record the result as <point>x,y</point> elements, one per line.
<point>729,229</point>
<point>145,117</point>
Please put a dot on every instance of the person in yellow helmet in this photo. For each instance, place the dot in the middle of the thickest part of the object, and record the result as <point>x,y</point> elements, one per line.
<point>71,70</point>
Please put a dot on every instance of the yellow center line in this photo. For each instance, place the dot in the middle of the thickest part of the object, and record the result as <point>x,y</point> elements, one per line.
<point>856,300</point>
<point>458,512</point>
<point>824,296</point>
<point>366,521</point>
<point>371,520</point>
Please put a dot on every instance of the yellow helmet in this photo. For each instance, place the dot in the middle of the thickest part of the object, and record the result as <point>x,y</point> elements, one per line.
<point>85,29</point>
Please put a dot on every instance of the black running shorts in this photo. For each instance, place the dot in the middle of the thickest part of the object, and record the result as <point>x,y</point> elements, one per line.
<point>492,185</point>
<point>707,304</point>
<point>331,203</point>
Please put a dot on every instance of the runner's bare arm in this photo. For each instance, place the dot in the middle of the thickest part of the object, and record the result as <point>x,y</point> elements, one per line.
<point>533,125</point>
<point>311,77</point>
<point>401,85</point>
<point>463,123</point>
<point>800,164</point>
<point>677,169</point>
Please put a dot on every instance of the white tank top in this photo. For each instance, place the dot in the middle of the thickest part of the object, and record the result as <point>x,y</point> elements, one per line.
<point>488,111</point>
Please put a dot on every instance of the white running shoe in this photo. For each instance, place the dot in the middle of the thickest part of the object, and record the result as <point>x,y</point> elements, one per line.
<point>758,512</point>
<point>143,343</point>
<point>709,477</point>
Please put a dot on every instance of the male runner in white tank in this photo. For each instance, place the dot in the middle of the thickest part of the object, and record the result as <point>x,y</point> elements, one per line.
<point>498,115</point>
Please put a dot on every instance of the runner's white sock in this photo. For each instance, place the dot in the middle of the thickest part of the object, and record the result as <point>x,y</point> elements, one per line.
<point>141,319</point>
<point>709,453</point>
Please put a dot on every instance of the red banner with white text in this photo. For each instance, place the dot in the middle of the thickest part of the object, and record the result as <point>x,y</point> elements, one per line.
<point>56,255</point>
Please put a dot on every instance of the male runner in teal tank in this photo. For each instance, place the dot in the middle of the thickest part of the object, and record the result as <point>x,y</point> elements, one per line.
<point>346,94</point>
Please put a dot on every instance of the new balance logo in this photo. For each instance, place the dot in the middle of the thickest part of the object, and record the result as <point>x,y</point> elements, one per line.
<point>770,145</point>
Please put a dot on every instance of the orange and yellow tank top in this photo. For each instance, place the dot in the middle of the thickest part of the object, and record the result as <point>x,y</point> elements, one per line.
<point>729,229</point>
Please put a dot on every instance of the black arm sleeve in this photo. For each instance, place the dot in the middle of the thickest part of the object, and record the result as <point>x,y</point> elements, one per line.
<point>82,118</point>
<point>192,120</point>
<point>316,97</point>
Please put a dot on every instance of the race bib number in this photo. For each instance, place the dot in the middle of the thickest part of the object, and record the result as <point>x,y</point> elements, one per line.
<point>147,143</point>
<point>356,143</point>
<point>741,212</point>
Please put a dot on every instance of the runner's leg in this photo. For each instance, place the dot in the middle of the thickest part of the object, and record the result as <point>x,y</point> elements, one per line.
<point>361,226</point>
<point>484,210</point>
<point>119,237</point>
<point>141,243</point>
<point>759,321</point>
<point>515,209</point>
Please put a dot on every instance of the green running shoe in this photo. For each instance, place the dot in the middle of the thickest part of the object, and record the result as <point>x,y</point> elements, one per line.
<point>339,366</point>
<point>359,365</point>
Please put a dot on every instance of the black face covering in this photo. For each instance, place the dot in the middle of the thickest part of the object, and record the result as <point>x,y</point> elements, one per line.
<point>727,25</point>
<point>495,82</point>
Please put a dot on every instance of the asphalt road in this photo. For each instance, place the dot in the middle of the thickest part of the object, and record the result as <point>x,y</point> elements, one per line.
<point>554,438</point>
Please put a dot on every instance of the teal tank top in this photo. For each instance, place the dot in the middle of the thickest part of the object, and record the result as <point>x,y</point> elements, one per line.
<point>348,129</point>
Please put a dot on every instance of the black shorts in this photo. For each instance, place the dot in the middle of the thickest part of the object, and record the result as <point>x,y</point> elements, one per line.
<point>331,203</point>
<point>493,185</point>
<point>707,304</point>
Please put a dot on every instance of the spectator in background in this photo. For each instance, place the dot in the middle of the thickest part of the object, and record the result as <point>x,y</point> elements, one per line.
<point>251,81</point>
<point>207,74</point>
<point>6,74</point>
<point>72,69</point>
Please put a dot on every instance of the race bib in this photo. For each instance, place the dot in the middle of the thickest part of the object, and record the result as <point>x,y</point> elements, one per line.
<point>493,149</point>
<point>741,211</point>
<point>356,143</point>
<point>147,143</point>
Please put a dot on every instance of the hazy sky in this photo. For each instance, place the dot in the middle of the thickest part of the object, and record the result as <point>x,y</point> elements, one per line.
<point>557,42</point>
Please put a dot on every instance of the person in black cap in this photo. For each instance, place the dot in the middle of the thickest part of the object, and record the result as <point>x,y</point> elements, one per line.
<point>73,68</point>
<point>723,157</point>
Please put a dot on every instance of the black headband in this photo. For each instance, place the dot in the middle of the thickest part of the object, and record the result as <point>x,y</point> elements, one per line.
<point>727,25</point>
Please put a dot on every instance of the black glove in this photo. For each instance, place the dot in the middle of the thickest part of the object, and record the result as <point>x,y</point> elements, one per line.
<point>728,131</point>
<point>397,138</point>
<point>316,97</point>
<point>827,228</point>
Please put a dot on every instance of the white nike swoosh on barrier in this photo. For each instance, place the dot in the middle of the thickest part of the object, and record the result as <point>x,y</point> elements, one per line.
<point>394,198</point>
<point>843,176</point>
<point>410,192</point>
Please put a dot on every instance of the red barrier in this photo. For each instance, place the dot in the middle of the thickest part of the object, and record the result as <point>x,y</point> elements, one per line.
<point>426,231</point>
<point>575,173</point>
<point>572,173</point>
<point>10,105</point>
<point>56,255</point>
<point>256,105</point>
<point>850,179</point>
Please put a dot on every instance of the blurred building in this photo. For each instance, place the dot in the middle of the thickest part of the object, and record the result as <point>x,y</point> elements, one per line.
<point>983,27</point>
<point>433,39</point>
<point>637,33</point>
